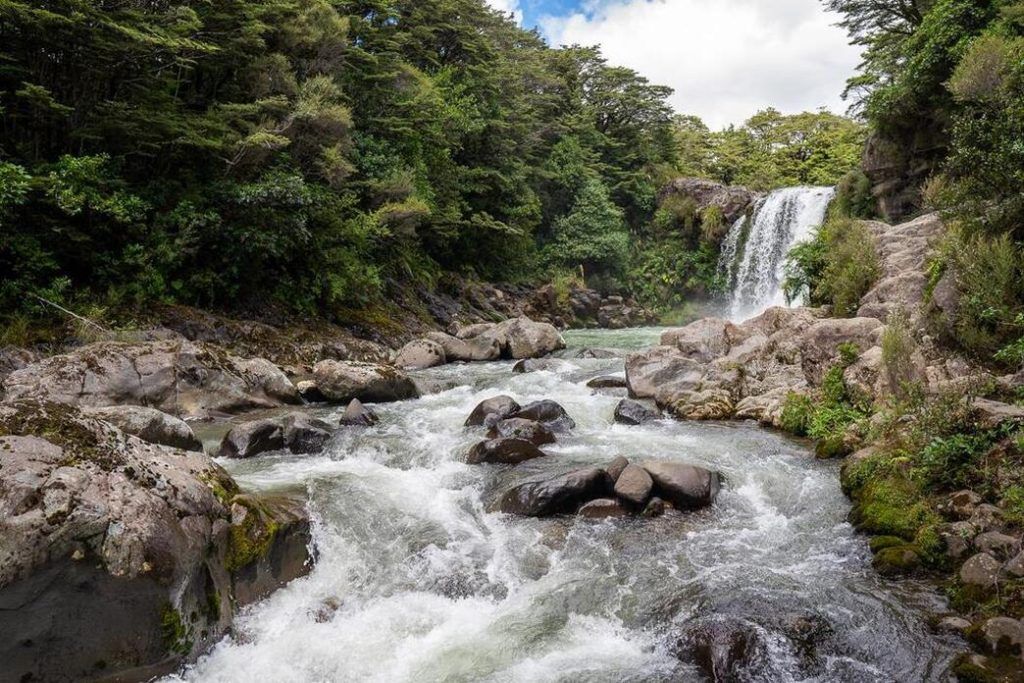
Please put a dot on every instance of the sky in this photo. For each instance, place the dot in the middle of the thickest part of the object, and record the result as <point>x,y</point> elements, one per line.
<point>726,59</point>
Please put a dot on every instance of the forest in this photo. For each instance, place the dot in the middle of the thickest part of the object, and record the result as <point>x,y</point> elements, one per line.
<point>319,154</point>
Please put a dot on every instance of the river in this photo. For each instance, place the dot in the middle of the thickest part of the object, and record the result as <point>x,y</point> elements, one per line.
<point>417,581</point>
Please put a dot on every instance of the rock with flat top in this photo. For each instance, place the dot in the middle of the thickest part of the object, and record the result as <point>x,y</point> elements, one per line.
<point>149,424</point>
<point>687,487</point>
<point>562,494</point>
<point>518,428</point>
<point>342,381</point>
<point>634,485</point>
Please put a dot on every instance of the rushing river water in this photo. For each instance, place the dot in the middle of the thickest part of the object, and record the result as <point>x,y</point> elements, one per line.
<point>417,581</point>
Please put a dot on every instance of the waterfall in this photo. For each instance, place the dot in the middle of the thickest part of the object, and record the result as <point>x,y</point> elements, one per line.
<point>754,252</point>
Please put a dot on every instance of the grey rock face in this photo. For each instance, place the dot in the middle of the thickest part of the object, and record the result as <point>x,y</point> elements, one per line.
<point>518,428</point>
<point>562,494</point>
<point>503,451</point>
<point>149,424</point>
<point>342,381</point>
<point>632,413</point>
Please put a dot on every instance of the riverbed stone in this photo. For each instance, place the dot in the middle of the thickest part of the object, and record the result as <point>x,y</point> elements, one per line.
<point>687,487</point>
<point>986,516</point>
<point>608,382</point>
<point>723,648</point>
<point>999,545</point>
<point>547,412</point>
<point>1015,567</point>
<point>634,413</point>
<point>980,573</point>
<point>492,410</point>
<point>961,505</point>
<point>634,485</point>
<point>304,433</point>
<point>252,438</point>
<point>541,365</point>
<point>603,508</point>
<point>899,560</point>
<point>958,538</point>
<point>481,348</point>
<point>561,494</point>
<point>1002,636</point>
<point>310,392</point>
<point>419,354</point>
<point>518,428</point>
<point>952,624</point>
<point>526,338</point>
<point>615,468</point>
<point>655,508</point>
<point>358,415</point>
<point>149,424</point>
<point>342,381</point>
<point>505,451</point>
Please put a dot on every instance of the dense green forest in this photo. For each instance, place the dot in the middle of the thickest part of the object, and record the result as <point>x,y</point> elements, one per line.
<point>320,153</point>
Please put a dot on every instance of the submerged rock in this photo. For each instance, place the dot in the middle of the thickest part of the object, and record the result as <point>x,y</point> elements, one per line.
<point>518,428</point>
<point>541,365</point>
<point>634,413</point>
<point>608,382</point>
<point>503,451</point>
<point>561,494</point>
<point>491,410</point>
<point>358,415</point>
<point>603,508</point>
<point>725,649</point>
<point>342,381</point>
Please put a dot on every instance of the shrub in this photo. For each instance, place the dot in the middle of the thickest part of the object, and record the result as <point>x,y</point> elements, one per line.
<point>797,411</point>
<point>897,354</point>
<point>837,267</point>
<point>853,197</point>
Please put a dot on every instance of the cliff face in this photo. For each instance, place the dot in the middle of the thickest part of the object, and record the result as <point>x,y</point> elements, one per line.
<point>898,166</point>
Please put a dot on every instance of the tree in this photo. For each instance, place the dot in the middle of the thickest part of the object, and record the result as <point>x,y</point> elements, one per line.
<point>593,234</point>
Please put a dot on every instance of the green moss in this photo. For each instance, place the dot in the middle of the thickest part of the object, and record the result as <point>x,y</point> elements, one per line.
<point>972,668</point>
<point>174,631</point>
<point>223,487</point>
<point>892,505</point>
<point>252,538</point>
<point>797,411</point>
<point>879,543</point>
<point>61,425</point>
<point>831,446</point>
<point>897,560</point>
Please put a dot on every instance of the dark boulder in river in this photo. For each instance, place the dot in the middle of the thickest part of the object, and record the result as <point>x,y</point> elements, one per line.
<point>562,494</point>
<point>548,413</point>
<point>633,413</point>
<point>492,410</point>
<point>518,428</point>
<point>687,487</point>
<point>358,415</point>
<point>504,452</point>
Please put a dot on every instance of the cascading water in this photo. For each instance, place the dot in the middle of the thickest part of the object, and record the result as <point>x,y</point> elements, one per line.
<point>754,265</point>
<point>418,580</point>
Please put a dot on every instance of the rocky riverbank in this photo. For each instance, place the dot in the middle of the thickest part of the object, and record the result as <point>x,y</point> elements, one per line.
<point>914,421</point>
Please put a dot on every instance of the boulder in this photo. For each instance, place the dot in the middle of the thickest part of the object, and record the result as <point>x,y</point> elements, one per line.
<point>149,424</point>
<point>712,404</point>
<point>528,339</point>
<point>999,545</point>
<point>991,414</point>
<point>492,410</point>
<point>655,508</point>
<point>980,572</point>
<point>724,649</point>
<point>687,487</point>
<point>481,348</point>
<point>961,505</point>
<point>252,438</point>
<point>603,508</point>
<point>615,467</point>
<point>358,415</point>
<point>174,376</point>
<point>703,340</point>
<point>1002,636</point>
<point>342,381</point>
<point>503,451</point>
<point>633,413</point>
<point>309,392</point>
<point>419,354</point>
<point>818,344</point>
<point>548,413</point>
<point>958,538</point>
<point>99,527</point>
<point>305,434</point>
<point>542,365</point>
<point>634,485</point>
<point>608,382</point>
<point>662,370</point>
<point>15,358</point>
<point>1015,567</point>
<point>732,200</point>
<point>953,624</point>
<point>270,545</point>
<point>471,331</point>
<point>518,428</point>
<point>561,494</point>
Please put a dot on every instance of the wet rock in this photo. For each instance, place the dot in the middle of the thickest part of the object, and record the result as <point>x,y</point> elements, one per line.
<point>305,434</point>
<point>608,382</point>
<point>342,381</point>
<point>732,200</point>
<point>980,573</point>
<point>419,354</point>
<point>310,392</point>
<point>271,537</point>
<point>529,339</point>
<point>561,494</point>
<point>492,410</point>
<point>503,451</point>
<point>631,412</point>
<point>655,508</point>
<point>1002,636</point>
<point>358,415</point>
<point>252,438</point>
<point>482,348</point>
<point>634,485</point>
<point>687,487</point>
<point>177,377</point>
<point>548,413</point>
<point>615,468</point>
<point>149,424</point>
<point>526,430</point>
<point>541,365</point>
<point>724,650</point>
<point>999,545</point>
<point>896,561</point>
<point>603,508</point>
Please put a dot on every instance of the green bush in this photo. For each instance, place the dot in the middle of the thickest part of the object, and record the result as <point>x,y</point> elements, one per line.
<point>797,413</point>
<point>836,268</point>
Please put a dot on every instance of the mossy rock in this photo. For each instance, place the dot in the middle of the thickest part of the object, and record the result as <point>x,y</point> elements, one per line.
<point>879,543</point>
<point>970,667</point>
<point>252,533</point>
<point>899,560</point>
<point>890,504</point>
<point>831,447</point>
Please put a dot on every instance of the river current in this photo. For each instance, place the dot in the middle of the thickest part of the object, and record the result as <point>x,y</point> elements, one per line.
<point>417,580</point>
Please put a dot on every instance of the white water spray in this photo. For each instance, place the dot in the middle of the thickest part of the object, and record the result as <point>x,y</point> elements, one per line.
<point>754,267</point>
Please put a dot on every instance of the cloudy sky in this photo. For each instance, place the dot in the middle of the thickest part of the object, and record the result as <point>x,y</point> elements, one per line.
<point>726,59</point>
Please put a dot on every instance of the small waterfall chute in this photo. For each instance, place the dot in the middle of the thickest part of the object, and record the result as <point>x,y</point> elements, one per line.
<point>754,252</point>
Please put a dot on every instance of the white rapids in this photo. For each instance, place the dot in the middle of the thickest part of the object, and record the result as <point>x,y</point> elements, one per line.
<point>418,581</point>
<point>754,252</point>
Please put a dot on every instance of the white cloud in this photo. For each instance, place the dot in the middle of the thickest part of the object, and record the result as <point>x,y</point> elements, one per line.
<point>507,6</point>
<point>726,59</point>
